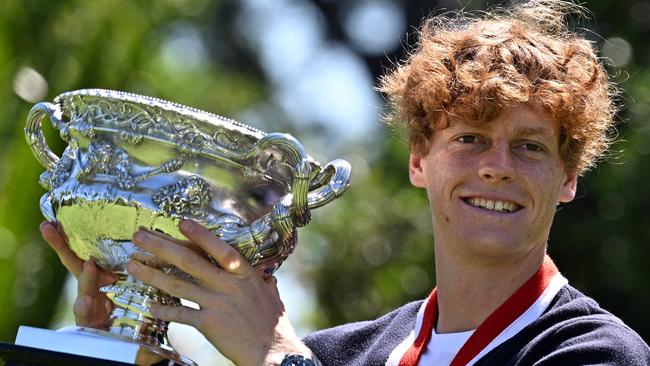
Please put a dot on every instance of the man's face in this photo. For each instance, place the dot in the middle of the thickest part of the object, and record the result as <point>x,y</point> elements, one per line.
<point>494,187</point>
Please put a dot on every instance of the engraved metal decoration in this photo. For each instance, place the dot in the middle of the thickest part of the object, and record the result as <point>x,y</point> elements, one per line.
<point>134,161</point>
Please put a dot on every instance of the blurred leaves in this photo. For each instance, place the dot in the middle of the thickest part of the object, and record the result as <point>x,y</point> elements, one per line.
<point>370,251</point>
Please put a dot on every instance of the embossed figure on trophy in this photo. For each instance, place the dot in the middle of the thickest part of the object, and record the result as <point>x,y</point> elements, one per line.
<point>233,143</point>
<point>104,158</point>
<point>138,126</point>
<point>83,123</point>
<point>50,180</point>
<point>114,163</point>
<point>167,167</point>
<point>189,197</point>
<point>191,142</point>
<point>137,123</point>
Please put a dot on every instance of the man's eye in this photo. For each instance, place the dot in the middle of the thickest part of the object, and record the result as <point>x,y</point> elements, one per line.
<point>532,147</point>
<point>468,139</point>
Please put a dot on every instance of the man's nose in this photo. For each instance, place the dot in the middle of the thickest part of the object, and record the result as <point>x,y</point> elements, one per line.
<point>496,163</point>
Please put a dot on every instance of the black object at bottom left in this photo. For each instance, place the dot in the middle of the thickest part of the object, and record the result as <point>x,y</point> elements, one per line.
<point>75,346</point>
<point>16,355</point>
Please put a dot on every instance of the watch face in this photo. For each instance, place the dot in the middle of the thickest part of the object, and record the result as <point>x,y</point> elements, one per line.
<point>298,360</point>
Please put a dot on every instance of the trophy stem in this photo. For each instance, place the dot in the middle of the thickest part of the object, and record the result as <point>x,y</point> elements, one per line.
<point>131,318</point>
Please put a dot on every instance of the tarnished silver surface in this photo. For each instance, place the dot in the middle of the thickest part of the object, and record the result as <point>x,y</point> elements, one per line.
<point>134,161</point>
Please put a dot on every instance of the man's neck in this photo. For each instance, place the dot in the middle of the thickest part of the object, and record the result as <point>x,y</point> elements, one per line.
<point>469,293</point>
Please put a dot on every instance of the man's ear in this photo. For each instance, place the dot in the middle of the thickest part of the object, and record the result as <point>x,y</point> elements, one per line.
<point>416,173</point>
<point>569,187</point>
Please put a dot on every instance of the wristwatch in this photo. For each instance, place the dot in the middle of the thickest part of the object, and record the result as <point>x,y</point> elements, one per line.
<point>299,360</point>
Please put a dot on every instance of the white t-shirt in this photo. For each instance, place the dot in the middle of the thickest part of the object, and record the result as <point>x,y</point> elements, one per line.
<point>442,348</point>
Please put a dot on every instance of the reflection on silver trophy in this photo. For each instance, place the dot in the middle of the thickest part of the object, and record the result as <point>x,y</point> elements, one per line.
<point>134,161</point>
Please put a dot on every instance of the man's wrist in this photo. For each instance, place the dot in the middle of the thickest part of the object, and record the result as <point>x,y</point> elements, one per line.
<point>299,360</point>
<point>277,355</point>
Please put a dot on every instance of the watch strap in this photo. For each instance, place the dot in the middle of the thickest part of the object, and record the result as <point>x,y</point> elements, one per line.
<point>299,360</point>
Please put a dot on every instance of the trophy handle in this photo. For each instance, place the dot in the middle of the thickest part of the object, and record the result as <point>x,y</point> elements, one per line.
<point>267,241</point>
<point>331,183</point>
<point>34,133</point>
<point>258,241</point>
<point>301,168</point>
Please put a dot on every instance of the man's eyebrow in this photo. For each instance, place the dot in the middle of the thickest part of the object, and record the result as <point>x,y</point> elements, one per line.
<point>536,131</point>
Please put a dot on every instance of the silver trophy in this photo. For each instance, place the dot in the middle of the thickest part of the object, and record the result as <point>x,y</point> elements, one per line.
<point>134,161</point>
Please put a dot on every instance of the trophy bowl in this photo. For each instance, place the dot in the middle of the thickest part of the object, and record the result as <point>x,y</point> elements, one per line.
<point>133,161</point>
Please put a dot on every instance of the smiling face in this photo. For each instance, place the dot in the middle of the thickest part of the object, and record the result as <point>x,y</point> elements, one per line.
<point>494,187</point>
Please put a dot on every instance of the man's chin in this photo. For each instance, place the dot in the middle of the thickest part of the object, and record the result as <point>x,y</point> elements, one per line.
<point>499,248</point>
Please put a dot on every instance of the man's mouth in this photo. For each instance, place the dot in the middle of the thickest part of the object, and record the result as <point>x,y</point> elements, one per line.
<point>499,206</point>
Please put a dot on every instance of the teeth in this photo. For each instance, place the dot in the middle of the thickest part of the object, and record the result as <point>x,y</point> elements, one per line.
<point>501,206</point>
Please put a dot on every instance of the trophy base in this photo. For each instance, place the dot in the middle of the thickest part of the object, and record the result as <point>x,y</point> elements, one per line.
<point>99,345</point>
<point>16,355</point>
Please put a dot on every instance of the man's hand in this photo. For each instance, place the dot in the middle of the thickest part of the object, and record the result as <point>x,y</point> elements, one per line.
<point>91,308</point>
<point>240,313</point>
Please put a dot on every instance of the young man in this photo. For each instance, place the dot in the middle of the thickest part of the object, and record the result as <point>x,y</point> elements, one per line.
<point>503,112</point>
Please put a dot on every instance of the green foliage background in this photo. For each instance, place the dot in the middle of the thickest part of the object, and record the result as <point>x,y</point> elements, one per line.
<point>364,255</point>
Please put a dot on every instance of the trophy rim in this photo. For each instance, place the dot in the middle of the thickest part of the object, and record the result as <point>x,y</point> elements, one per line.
<point>155,102</point>
<point>212,121</point>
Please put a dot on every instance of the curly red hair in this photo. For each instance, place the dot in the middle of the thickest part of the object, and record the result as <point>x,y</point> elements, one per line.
<point>475,67</point>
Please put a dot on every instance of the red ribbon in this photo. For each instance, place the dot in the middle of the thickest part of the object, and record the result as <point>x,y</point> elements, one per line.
<point>491,327</point>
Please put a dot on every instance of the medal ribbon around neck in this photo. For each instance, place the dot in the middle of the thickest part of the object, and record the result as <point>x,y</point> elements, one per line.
<point>491,327</point>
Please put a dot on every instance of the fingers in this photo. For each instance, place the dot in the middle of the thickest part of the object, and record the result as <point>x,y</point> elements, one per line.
<point>87,282</point>
<point>181,256</point>
<point>82,310</point>
<point>178,314</point>
<point>173,285</point>
<point>150,260</point>
<point>70,260</point>
<point>226,256</point>
<point>87,292</point>
<point>185,243</point>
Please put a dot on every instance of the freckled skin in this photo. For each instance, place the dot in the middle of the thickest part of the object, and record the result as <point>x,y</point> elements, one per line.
<point>513,158</point>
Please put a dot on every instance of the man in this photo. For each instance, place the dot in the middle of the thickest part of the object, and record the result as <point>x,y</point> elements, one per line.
<point>503,113</point>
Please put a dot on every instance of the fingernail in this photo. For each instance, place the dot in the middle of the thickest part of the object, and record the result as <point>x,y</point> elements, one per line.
<point>185,224</point>
<point>134,267</point>
<point>139,236</point>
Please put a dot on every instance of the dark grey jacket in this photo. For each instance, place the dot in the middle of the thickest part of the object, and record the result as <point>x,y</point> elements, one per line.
<point>574,330</point>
